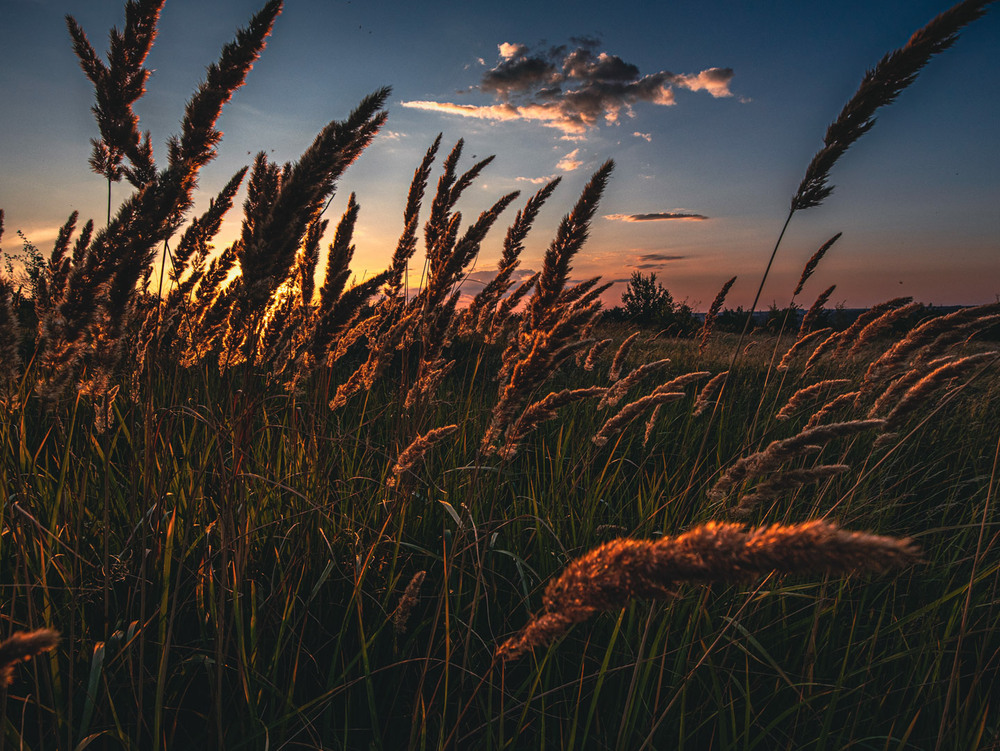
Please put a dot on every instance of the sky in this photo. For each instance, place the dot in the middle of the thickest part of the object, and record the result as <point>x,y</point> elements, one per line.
<point>710,110</point>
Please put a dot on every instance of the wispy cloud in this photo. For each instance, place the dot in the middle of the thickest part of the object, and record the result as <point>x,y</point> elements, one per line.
<point>535,180</point>
<point>658,217</point>
<point>569,162</point>
<point>38,235</point>
<point>655,260</point>
<point>648,137</point>
<point>574,90</point>
<point>660,257</point>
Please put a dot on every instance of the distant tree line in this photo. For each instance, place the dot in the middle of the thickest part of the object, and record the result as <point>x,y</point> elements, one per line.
<point>646,302</point>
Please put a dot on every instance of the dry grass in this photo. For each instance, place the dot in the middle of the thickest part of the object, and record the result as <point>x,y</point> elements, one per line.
<point>609,576</point>
<point>21,646</point>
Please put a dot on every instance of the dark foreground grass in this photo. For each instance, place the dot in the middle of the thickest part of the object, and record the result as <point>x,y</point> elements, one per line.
<point>224,564</point>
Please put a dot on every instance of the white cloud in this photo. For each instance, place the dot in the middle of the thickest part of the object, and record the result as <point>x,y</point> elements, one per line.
<point>508,50</point>
<point>569,162</point>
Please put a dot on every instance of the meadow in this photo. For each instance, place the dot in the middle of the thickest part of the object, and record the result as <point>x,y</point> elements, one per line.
<point>246,505</point>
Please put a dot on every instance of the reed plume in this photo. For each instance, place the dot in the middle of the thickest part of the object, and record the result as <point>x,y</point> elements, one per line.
<point>593,352</point>
<point>670,386</point>
<point>812,315</point>
<point>838,402</point>
<point>411,595</point>
<point>10,336</point>
<point>407,244</point>
<point>543,410</point>
<point>303,276</point>
<point>650,424</point>
<point>339,255</point>
<point>788,480</point>
<point>708,392</point>
<point>337,309</point>
<point>21,646</point>
<point>801,343</point>
<point>268,245</point>
<point>780,451</point>
<point>570,237</point>
<point>482,310</point>
<point>813,262</point>
<point>117,86</point>
<point>926,339</point>
<point>10,329</point>
<point>618,361</point>
<point>508,305</point>
<point>821,349</point>
<point>100,291</point>
<point>805,395</point>
<point>851,334</point>
<point>681,381</point>
<point>609,576</point>
<point>615,424</point>
<point>49,283</point>
<point>188,262</point>
<point>555,320</point>
<point>879,87</point>
<point>880,323</point>
<point>414,454</point>
<point>917,393</point>
<point>713,312</point>
<point>195,246</point>
<point>615,393</point>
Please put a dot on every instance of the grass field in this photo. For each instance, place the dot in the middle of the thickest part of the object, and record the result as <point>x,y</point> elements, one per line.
<point>263,510</point>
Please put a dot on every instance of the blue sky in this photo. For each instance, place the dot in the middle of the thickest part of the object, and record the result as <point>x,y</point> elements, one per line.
<point>918,198</point>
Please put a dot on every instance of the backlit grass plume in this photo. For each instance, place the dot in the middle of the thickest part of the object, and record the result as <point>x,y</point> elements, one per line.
<point>807,394</point>
<point>10,330</point>
<point>413,455</point>
<point>551,327</point>
<point>614,573</point>
<point>22,646</point>
<point>782,450</point>
<point>482,310</point>
<point>713,313</point>
<point>813,262</point>
<point>879,87</point>
<point>118,84</point>
<point>101,289</point>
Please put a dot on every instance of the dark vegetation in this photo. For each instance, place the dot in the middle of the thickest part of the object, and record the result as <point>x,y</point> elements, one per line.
<point>266,508</point>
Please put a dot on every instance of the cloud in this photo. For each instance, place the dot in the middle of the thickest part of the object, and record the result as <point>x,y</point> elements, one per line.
<point>390,135</point>
<point>569,162</point>
<point>574,90</point>
<point>657,217</point>
<point>535,180</point>
<point>39,235</point>
<point>714,80</point>
<point>660,257</point>
<point>647,136</point>
<point>655,260</point>
<point>507,50</point>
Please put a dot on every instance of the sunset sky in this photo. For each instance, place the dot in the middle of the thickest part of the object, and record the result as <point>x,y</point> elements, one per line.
<point>711,110</point>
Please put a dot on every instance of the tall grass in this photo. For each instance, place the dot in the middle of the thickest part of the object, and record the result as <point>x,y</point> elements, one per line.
<point>266,510</point>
